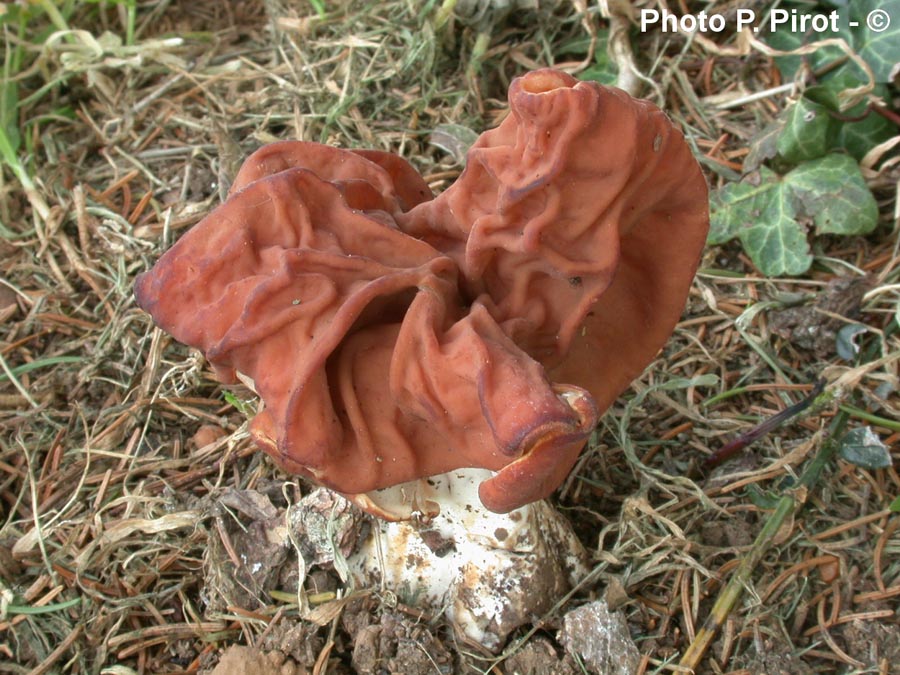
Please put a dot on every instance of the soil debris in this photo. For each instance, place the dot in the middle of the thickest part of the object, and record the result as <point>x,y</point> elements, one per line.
<point>393,644</point>
<point>238,660</point>
<point>774,657</point>
<point>245,555</point>
<point>814,326</point>
<point>539,657</point>
<point>869,642</point>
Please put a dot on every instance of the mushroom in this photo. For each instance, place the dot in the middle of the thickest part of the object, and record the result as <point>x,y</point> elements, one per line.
<point>409,349</point>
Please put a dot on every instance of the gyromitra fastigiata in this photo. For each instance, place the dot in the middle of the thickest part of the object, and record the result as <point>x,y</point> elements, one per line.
<point>395,336</point>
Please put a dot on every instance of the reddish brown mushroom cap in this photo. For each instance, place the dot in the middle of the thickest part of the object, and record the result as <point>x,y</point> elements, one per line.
<point>393,336</point>
<point>580,220</point>
<point>391,176</point>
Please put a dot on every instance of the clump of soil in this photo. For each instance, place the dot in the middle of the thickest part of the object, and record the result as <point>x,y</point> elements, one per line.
<point>239,660</point>
<point>244,560</point>
<point>298,640</point>
<point>394,644</point>
<point>732,532</point>
<point>872,643</point>
<point>774,657</point>
<point>538,657</point>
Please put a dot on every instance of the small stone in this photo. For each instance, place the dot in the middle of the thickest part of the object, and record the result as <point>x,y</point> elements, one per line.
<point>600,638</point>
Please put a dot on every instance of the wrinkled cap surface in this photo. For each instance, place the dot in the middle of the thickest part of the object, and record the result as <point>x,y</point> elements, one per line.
<point>394,336</point>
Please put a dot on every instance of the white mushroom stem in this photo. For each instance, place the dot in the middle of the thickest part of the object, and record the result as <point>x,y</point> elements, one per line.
<point>488,573</point>
<point>436,547</point>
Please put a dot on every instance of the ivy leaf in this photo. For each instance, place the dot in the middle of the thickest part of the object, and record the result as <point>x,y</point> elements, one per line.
<point>862,447</point>
<point>857,138</point>
<point>864,128</point>
<point>777,242</point>
<point>833,192</point>
<point>881,50</point>
<point>767,212</point>
<point>788,40</point>
<point>764,218</point>
<point>808,131</point>
<point>735,205</point>
<point>827,94</point>
<point>764,145</point>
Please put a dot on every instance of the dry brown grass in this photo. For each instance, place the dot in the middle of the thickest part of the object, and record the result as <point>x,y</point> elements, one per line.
<point>117,444</point>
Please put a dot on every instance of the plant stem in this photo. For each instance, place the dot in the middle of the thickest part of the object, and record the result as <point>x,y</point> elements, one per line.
<point>787,504</point>
<point>56,18</point>
<point>444,13</point>
<point>770,424</point>
<point>869,417</point>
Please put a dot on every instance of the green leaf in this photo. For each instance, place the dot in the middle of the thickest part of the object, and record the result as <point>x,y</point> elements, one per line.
<point>763,145</point>
<point>833,192</point>
<point>865,128</point>
<point>767,212</point>
<point>246,408</point>
<point>856,130</point>
<point>9,85</point>
<point>41,363</point>
<point>604,70</point>
<point>786,40</point>
<point>895,505</point>
<point>808,131</point>
<point>879,49</point>
<point>733,207</point>
<point>862,447</point>
<point>764,219</point>
<point>827,94</point>
<point>857,138</point>
<point>776,241</point>
<point>43,609</point>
